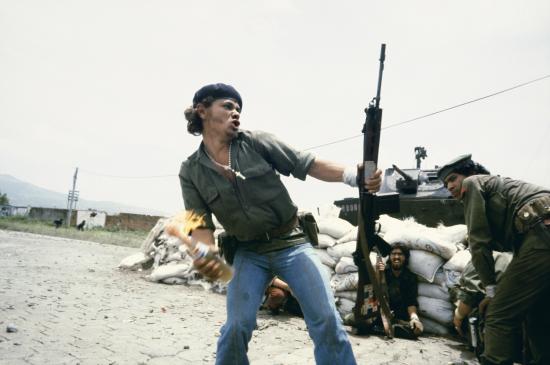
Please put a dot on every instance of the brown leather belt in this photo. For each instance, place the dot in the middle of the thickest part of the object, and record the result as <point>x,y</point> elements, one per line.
<point>278,231</point>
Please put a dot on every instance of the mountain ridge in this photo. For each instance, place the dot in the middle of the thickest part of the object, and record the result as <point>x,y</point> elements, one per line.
<point>22,193</point>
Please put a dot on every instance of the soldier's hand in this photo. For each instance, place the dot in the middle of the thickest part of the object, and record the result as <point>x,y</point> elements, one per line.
<point>458,325</point>
<point>380,266</point>
<point>483,305</point>
<point>374,182</point>
<point>416,325</point>
<point>208,267</point>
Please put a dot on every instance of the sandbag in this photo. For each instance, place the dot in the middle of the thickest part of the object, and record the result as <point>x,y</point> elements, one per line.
<point>148,244</point>
<point>416,236</point>
<point>325,240</point>
<point>459,261</point>
<point>345,265</point>
<point>345,306</point>
<point>432,327</point>
<point>181,270</point>
<point>425,264</point>
<point>342,250</point>
<point>342,282</point>
<point>350,236</point>
<point>454,234</point>
<point>347,294</point>
<point>439,310</point>
<point>433,291</point>
<point>325,258</point>
<point>334,227</point>
<point>452,278</point>
<point>134,261</point>
<point>439,278</point>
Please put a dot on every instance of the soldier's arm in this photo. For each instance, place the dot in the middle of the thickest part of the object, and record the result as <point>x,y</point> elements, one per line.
<point>300,164</point>
<point>479,232</point>
<point>332,172</point>
<point>204,235</point>
<point>193,200</point>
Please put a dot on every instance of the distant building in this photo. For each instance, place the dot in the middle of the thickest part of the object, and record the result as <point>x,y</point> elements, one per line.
<point>11,210</point>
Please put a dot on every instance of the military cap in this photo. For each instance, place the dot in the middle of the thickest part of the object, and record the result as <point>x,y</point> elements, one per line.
<point>451,166</point>
<point>217,91</point>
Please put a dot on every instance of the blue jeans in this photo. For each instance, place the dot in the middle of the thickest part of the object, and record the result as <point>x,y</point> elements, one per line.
<point>300,267</point>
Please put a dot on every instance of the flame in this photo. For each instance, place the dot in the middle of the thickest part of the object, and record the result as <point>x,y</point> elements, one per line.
<point>184,223</point>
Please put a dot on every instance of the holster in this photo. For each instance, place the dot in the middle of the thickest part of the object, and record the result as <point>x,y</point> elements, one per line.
<point>532,214</point>
<point>309,226</point>
<point>227,246</point>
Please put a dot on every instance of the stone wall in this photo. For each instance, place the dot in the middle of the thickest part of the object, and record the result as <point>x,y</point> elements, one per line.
<point>131,221</point>
<point>48,214</point>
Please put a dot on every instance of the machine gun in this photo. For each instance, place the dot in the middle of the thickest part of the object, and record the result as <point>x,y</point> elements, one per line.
<point>371,206</point>
<point>407,185</point>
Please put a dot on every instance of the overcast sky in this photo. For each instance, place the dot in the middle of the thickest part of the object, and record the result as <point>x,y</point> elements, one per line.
<point>102,85</point>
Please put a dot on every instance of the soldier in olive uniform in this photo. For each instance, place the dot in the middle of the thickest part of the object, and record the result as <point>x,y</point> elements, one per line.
<point>470,292</point>
<point>234,175</point>
<point>507,215</point>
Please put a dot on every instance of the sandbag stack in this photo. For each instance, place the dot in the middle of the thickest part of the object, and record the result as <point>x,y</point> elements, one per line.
<point>437,257</point>
<point>168,260</point>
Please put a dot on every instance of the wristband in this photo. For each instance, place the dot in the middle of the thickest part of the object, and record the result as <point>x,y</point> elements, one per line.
<point>349,177</point>
<point>414,316</point>
<point>490,291</point>
<point>458,315</point>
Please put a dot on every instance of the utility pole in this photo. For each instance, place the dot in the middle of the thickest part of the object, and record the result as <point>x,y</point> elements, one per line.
<point>72,199</point>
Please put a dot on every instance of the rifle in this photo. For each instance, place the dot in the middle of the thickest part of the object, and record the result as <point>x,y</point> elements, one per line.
<point>371,206</point>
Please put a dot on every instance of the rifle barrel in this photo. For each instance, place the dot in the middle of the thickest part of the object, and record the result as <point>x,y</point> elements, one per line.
<point>380,71</point>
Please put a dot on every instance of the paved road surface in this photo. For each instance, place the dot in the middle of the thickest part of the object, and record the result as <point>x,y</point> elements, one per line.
<point>70,305</point>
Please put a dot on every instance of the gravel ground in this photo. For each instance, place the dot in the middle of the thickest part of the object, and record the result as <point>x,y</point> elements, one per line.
<point>64,302</point>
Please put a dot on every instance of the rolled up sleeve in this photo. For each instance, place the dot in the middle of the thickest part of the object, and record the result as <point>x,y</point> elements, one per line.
<point>284,158</point>
<point>479,232</point>
<point>192,198</point>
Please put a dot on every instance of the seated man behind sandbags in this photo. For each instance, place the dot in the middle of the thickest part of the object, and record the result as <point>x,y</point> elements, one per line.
<point>402,289</point>
<point>279,297</point>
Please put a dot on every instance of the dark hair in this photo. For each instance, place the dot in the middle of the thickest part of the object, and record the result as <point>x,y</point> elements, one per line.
<point>194,121</point>
<point>404,249</point>
<point>470,168</point>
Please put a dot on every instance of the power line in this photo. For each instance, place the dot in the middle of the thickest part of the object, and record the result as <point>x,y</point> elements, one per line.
<point>436,112</point>
<point>358,135</point>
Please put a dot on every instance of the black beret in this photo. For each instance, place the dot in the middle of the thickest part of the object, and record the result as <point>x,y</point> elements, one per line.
<point>453,165</point>
<point>217,91</point>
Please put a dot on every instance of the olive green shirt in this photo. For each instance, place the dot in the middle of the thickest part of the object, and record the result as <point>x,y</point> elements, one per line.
<point>470,290</point>
<point>251,206</point>
<point>490,206</point>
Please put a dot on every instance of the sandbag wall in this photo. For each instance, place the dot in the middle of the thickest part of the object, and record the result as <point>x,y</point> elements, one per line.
<point>168,261</point>
<point>437,258</point>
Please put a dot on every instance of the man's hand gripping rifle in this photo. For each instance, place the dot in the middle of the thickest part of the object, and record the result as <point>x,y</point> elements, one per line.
<point>371,206</point>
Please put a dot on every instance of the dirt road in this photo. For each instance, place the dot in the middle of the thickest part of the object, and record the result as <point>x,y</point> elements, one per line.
<point>68,304</point>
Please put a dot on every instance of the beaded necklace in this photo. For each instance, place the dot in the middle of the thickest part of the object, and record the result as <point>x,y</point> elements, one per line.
<point>226,167</point>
